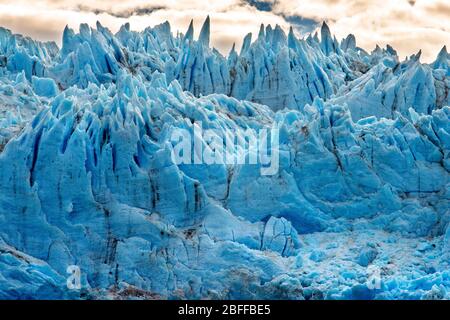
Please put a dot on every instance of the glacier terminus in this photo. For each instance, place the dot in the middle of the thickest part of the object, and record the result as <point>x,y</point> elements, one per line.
<point>94,204</point>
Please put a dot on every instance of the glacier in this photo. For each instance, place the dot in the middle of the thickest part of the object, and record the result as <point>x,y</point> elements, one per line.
<point>359,208</point>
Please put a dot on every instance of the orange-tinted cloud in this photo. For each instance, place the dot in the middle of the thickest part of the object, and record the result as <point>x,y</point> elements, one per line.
<point>407,25</point>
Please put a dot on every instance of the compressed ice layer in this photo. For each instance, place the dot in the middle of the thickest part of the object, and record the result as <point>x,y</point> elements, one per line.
<point>359,208</point>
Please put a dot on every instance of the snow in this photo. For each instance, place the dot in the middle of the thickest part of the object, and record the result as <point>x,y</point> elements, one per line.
<point>359,209</point>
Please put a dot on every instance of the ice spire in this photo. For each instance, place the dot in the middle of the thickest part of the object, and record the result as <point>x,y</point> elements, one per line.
<point>349,43</point>
<point>233,48</point>
<point>68,34</point>
<point>85,31</point>
<point>391,50</point>
<point>316,37</point>
<point>416,57</point>
<point>232,56</point>
<point>325,31</point>
<point>443,52</point>
<point>205,32</point>
<point>99,26</point>
<point>246,43</point>
<point>189,36</point>
<point>269,33</point>
<point>292,41</point>
<point>441,61</point>
<point>278,35</point>
<point>326,39</point>
<point>262,33</point>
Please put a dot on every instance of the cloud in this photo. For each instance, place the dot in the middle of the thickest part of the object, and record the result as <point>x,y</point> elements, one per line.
<point>49,31</point>
<point>409,25</point>
<point>437,9</point>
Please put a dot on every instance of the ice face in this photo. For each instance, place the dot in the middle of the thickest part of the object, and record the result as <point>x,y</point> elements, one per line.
<point>88,176</point>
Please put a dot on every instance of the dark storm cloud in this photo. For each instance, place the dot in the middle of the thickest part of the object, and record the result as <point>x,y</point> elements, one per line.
<point>301,24</point>
<point>125,13</point>
<point>261,5</point>
<point>298,22</point>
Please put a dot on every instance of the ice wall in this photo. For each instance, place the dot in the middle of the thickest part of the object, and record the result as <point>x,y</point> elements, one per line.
<point>87,177</point>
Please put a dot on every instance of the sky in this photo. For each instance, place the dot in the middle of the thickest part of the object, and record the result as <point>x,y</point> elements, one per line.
<point>408,25</point>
